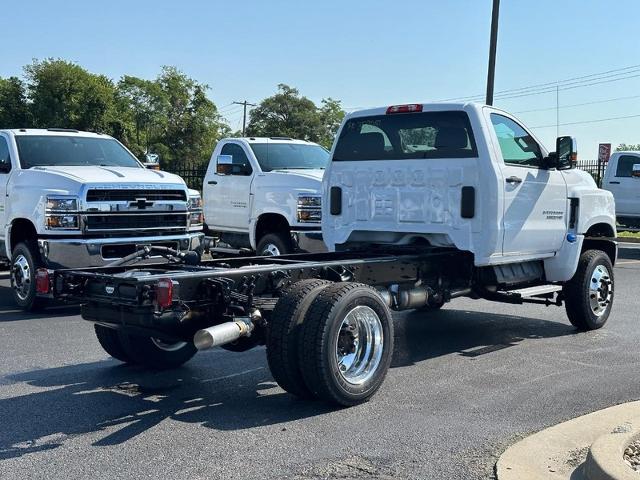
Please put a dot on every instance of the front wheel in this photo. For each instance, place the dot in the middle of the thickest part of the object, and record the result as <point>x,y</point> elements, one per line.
<point>24,263</point>
<point>156,353</point>
<point>589,294</point>
<point>274,244</point>
<point>346,344</point>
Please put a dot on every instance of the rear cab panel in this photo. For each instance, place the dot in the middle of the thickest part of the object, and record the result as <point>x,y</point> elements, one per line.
<point>401,198</point>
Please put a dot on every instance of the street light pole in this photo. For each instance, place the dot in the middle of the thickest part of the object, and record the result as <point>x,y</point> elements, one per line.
<point>492,51</point>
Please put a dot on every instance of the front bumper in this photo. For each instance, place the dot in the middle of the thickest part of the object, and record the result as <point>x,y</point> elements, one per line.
<point>97,252</point>
<point>308,241</point>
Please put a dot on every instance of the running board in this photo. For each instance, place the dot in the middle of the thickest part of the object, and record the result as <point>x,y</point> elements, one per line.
<point>542,294</point>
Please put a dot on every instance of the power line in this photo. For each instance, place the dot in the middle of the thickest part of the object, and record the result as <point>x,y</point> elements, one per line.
<point>244,104</point>
<point>589,121</point>
<point>621,71</point>
<point>579,104</point>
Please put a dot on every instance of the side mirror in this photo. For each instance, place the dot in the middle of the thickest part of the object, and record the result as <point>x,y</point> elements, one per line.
<point>566,152</point>
<point>635,172</point>
<point>224,164</point>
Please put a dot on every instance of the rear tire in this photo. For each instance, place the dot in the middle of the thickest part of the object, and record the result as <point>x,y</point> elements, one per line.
<point>346,344</point>
<point>589,294</point>
<point>273,244</point>
<point>156,354</point>
<point>25,260</point>
<point>109,339</point>
<point>282,340</point>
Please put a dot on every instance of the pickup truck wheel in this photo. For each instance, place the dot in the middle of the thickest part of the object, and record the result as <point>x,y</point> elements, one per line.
<point>346,344</point>
<point>273,244</point>
<point>155,353</point>
<point>589,294</point>
<point>282,339</point>
<point>24,263</point>
<point>109,339</point>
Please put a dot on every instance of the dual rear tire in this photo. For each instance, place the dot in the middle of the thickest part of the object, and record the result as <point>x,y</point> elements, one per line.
<point>330,341</point>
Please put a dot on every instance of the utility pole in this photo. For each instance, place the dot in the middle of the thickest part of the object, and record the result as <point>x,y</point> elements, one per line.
<point>557,110</point>
<point>492,51</point>
<point>244,114</point>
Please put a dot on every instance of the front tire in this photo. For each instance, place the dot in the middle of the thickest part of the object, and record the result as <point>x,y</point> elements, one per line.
<point>589,294</point>
<point>346,344</point>
<point>155,353</point>
<point>25,260</point>
<point>273,244</point>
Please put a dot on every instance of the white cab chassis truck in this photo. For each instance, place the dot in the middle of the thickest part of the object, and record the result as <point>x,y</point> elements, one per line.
<point>424,203</point>
<point>622,179</point>
<point>79,199</point>
<point>264,194</point>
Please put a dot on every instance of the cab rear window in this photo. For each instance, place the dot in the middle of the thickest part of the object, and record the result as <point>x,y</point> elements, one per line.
<point>406,136</point>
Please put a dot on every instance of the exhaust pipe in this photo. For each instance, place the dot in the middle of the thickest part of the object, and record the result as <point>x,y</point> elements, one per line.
<point>222,334</point>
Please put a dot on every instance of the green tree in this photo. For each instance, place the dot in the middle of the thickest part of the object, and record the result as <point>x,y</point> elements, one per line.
<point>63,94</point>
<point>14,112</point>
<point>623,147</point>
<point>289,114</point>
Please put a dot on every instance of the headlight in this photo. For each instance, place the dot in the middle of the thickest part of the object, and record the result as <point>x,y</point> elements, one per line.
<point>61,213</point>
<point>309,208</point>
<point>195,202</point>
<point>196,218</point>
<point>64,204</point>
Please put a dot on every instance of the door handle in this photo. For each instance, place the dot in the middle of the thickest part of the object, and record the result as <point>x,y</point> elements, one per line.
<point>513,179</point>
<point>615,183</point>
<point>212,182</point>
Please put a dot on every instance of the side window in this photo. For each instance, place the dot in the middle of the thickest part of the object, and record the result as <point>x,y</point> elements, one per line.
<point>517,146</point>
<point>5,159</point>
<point>625,165</point>
<point>241,164</point>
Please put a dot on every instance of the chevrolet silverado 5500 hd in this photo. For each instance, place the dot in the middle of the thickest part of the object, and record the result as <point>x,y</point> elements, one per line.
<point>423,203</point>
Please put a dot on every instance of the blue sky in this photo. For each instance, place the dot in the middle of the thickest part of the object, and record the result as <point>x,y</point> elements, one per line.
<point>365,53</point>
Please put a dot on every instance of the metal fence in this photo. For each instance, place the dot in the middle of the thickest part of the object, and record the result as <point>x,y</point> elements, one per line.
<point>594,167</point>
<point>193,174</point>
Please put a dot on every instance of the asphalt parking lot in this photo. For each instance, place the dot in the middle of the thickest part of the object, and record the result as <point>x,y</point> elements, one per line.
<point>466,382</point>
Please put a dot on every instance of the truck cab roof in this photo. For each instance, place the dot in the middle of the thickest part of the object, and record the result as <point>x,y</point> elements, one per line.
<point>268,140</point>
<point>53,132</point>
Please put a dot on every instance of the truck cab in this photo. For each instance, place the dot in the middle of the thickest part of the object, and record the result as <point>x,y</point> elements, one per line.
<point>622,179</point>
<point>79,199</point>
<point>264,194</point>
<point>467,176</point>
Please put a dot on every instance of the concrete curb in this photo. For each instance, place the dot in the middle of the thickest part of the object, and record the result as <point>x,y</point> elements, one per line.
<point>559,452</point>
<point>605,459</point>
<point>628,240</point>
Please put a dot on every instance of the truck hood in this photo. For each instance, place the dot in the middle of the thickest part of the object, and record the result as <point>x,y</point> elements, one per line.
<point>296,177</point>
<point>91,174</point>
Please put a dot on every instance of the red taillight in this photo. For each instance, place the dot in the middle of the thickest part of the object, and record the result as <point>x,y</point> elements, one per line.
<point>409,108</point>
<point>164,293</point>
<point>42,281</point>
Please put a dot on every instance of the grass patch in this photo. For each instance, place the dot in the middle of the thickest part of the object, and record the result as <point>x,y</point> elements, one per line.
<point>629,234</point>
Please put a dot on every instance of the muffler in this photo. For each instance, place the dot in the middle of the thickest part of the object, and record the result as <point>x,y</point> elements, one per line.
<point>222,334</point>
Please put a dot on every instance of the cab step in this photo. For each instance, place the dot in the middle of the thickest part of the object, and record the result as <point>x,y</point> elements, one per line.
<point>536,291</point>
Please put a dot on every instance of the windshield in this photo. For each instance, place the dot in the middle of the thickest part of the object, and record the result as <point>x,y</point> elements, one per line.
<point>406,136</point>
<point>59,151</point>
<point>287,156</point>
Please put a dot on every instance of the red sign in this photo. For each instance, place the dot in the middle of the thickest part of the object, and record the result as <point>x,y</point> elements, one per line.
<point>604,152</point>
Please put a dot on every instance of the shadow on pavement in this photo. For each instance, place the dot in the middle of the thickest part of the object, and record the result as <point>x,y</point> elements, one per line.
<point>223,395</point>
<point>424,335</point>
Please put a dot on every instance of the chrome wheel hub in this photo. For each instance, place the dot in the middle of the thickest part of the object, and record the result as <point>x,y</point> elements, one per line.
<point>167,347</point>
<point>359,345</point>
<point>270,250</point>
<point>600,290</point>
<point>21,276</point>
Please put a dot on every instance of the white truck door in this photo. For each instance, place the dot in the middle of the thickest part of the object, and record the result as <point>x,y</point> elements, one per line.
<point>535,199</point>
<point>623,185</point>
<point>5,168</point>
<point>228,184</point>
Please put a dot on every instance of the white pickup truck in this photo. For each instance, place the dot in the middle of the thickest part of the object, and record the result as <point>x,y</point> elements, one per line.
<point>423,203</point>
<point>622,179</point>
<point>263,194</point>
<point>78,199</point>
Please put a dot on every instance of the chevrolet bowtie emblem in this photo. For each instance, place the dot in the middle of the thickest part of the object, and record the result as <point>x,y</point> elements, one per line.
<point>141,203</point>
